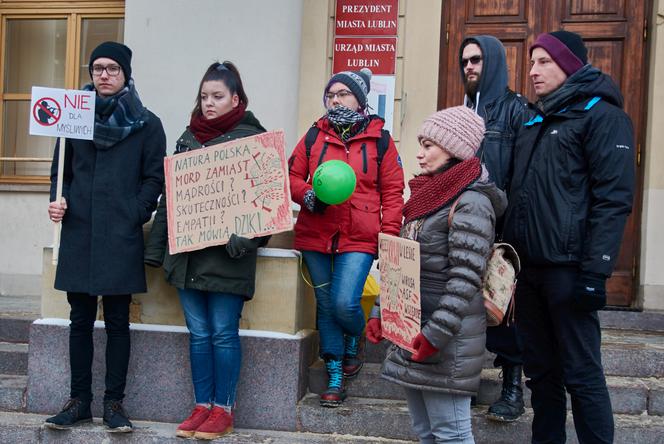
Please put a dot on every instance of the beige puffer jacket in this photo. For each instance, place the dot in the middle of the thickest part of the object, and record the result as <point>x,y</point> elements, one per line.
<point>453,260</point>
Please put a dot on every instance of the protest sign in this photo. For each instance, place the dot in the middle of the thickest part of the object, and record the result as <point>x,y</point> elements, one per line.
<point>400,307</point>
<point>237,187</point>
<point>63,113</point>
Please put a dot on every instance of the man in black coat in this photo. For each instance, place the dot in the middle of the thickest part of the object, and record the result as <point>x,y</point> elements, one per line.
<point>569,199</point>
<point>484,74</point>
<point>110,188</point>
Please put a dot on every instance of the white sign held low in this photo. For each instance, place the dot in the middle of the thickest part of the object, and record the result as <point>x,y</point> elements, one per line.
<point>60,112</point>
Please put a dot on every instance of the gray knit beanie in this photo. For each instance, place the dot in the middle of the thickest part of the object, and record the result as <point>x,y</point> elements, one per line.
<point>358,82</point>
<point>457,130</point>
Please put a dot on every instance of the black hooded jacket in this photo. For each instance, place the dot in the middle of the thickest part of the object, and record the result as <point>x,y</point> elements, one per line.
<point>573,181</point>
<point>504,112</point>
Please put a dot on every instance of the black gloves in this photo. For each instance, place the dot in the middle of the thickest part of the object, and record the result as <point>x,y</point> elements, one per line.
<point>589,292</point>
<point>238,246</point>
<point>314,204</point>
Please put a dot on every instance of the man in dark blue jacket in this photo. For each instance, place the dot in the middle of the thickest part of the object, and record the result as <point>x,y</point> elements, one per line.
<point>484,73</point>
<point>570,195</point>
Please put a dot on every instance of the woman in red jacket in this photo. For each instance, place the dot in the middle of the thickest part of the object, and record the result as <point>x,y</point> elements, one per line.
<point>339,242</point>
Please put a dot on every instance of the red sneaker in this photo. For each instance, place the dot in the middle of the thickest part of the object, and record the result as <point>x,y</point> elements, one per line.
<point>218,424</point>
<point>191,424</point>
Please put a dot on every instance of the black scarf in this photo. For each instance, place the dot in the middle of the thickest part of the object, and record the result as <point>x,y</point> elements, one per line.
<point>118,116</point>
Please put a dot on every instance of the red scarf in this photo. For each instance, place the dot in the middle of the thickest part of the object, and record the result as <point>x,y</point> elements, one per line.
<point>205,130</point>
<point>428,194</point>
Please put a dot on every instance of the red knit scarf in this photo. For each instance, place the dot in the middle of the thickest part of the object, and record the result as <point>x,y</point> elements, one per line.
<point>205,130</point>
<point>428,194</point>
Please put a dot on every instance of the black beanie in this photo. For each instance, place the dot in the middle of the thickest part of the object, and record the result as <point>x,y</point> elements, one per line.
<point>115,51</point>
<point>574,43</point>
<point>358,82</point>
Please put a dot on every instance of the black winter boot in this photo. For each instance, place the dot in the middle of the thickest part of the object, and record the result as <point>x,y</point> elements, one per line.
<point>115,417</point>
<point>76,411</point>
<point>352,362</point>
<point>510,405</point>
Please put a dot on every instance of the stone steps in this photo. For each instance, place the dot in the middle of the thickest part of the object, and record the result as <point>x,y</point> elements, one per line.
<point>12,393</point>
<point>21,427</point>
<point>628,395</point>
<point>390,419</point>
<point>651,320</point>
<point>13,358</point>
<point>15,329</point>
<point>624,353</point>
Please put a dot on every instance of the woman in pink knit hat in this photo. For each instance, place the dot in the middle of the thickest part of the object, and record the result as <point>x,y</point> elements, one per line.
<point>444,372</point>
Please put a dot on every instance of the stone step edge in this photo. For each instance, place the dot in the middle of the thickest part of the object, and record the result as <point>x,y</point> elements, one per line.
<point>630,395</point>
<point>400,407</point>
<point>356,412</point>
<point>494,374</point>
<point>165,432</point>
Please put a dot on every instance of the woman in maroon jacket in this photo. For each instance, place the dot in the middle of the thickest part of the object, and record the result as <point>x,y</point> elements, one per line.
<point>339,242</point>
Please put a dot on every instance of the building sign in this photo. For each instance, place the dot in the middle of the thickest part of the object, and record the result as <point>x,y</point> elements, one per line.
<point>237,187</point>
<point>376,53</point>
<point>366,17</point>
<point>62,113</point>
<point>381,99</point>
<point>400,309</point>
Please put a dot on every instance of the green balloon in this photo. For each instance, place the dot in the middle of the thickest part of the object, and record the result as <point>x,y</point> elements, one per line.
<point>334,182</point>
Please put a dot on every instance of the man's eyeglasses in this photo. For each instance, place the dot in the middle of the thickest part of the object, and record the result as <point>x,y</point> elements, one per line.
<point>112,70</point>
<point>474,60</point>
<point>341,94</point>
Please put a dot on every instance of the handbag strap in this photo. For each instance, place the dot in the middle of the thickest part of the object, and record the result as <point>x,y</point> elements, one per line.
<point>452,208</point>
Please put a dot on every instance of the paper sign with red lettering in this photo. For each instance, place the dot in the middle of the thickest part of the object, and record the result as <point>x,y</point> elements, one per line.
<point>376,53</point>
<point>62,113</point>
<point>400,309</point>
<point>366,17</point>
<point>237,187</point>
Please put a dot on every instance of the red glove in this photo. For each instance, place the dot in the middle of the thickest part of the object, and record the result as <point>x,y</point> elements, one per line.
<point>374,330</point>
<point>423,348</point>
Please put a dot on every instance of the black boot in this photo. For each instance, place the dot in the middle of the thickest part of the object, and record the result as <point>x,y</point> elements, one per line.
<point>76,411</point>
<point>352,363</point>
<point>510,405</point>
<point>115,417</point>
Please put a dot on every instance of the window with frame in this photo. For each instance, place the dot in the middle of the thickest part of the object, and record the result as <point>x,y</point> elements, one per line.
<point>44,44</point>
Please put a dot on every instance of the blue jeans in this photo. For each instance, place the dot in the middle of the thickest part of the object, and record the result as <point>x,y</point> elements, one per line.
<point>213,320</point>
<point>338,308</point>
<point>440,417</point>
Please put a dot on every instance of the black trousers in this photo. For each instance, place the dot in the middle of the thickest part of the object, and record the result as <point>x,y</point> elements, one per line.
<point>504,341</point>
<point>561,352</point>
<point>81,349</point>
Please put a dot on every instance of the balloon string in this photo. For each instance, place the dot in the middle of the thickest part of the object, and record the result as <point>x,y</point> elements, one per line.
<point>306,281</point>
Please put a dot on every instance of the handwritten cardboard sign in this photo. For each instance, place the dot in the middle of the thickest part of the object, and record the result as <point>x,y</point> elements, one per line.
<point>400,308</point>
<point>62,113</point>
<point>236,187</point>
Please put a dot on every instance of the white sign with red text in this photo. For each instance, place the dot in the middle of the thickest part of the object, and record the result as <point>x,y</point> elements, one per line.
<point>60,112</point>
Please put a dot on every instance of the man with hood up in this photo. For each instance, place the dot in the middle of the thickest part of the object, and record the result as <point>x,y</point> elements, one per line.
<point>569,198</point>
<point>484,74</point>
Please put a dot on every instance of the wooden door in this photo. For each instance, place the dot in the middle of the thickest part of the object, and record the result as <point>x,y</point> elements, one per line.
<point>614,32</point>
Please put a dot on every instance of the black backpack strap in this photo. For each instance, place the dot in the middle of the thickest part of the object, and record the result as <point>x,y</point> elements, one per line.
<point>310,139</point>
<point>381,146</point>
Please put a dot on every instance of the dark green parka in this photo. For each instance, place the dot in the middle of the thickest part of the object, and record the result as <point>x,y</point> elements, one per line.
<point>209,269</point>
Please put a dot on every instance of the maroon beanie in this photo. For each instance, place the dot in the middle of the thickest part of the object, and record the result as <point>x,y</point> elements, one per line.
<point>565,48</point>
